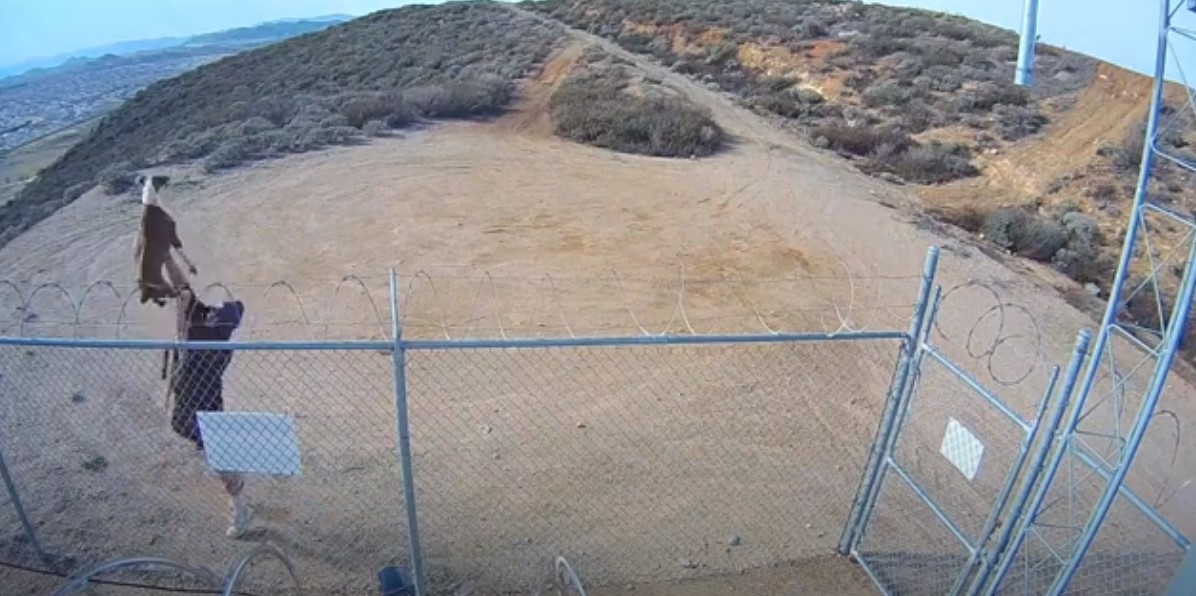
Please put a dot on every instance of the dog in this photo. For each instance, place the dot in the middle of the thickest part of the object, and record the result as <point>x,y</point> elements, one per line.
<point>196,381</point>
<point>156,239</point>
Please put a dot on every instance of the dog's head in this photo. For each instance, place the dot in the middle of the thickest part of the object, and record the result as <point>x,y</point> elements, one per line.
<point>152,187</point>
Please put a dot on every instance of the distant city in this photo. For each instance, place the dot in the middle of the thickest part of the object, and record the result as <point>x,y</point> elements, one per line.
<point>43,101</point>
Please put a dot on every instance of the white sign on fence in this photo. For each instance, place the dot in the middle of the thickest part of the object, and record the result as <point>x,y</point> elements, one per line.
<point>250,442</point>
<point>962,449</point>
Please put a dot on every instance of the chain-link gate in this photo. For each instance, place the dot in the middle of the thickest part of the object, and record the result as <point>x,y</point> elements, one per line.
<point>941,497</point>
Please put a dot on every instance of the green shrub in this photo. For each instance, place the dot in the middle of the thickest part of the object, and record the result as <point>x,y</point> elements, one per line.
<point>1038,238</point>
<point>593,109</point>
<point>886,94</point>
<point>1015,122</point>
<point>227,155</point>
<point>861,140</point>
<point>933,163</point>
<point>873,46</point>
<point>940,53</point>
<point>813,29</point>
<point>916,117</point>
<point>809,96</point>
<point>1081,231</point>
<point>117,178</point>
<point>462,99</point>
<point>359,108</point>
<point>1001,225</point>
<point>790,103</point>
<point>777,84</point>
<point>943,78</point>
<point>75,191</point>
<point>721,53</point>
<point>985,96</point>
<point>374,128</point>
<point>256,125</point>
<point>1127,156</point>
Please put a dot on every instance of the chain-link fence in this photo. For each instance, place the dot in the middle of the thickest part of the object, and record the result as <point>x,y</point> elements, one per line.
<point>88,435</point>
<point>647,463</point>
<point>682,446</point>
<point>476,462</point>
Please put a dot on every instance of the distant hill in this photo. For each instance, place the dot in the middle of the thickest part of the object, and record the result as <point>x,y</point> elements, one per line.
<point>336,86</point>
<point>325,18</point>
<point>118,49</point>
<point>267,32</point>
<point>256,34</point>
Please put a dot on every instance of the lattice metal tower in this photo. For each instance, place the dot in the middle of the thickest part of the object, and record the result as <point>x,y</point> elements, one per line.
<point>1144,324</point>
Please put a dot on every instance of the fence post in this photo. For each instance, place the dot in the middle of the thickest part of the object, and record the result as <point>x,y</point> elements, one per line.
<point>982,555</point>
<point>403,431</point>
<point>1019,516</point>
<point>15,499</point>
<point>1184,582</point>
<point>866,494</point>
<point>1014,518</point>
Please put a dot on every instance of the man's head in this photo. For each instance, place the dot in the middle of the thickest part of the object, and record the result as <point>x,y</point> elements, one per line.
<point>211,322</point>
<point>216,322</point>
<point>152,187</point>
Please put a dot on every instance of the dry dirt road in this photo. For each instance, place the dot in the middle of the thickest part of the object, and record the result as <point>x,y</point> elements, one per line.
<point>643,464</point>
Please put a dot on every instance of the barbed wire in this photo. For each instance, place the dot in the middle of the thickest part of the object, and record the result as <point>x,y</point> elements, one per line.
<point>681,318</point>
<point>1162,499</point>
<point>1003,336</point>
<point>445,303</point>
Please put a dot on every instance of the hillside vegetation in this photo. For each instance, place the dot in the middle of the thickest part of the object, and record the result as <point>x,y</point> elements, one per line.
<point>923,98</point>
<point>871,82</point>
<point>383,71</point>
<point>915,97</point>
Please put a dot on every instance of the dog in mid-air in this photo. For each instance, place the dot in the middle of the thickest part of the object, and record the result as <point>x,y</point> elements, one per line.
<point>196,381</point>
<point>155,241</point>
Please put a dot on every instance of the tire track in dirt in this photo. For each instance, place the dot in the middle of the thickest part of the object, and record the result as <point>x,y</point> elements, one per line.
<point>532,114</point>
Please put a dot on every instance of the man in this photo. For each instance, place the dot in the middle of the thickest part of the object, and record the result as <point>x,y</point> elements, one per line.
<point>197,383</point>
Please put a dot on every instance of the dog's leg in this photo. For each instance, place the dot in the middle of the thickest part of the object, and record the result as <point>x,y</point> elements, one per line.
<point>175,274</point>
<point>190,265</point>
<point>241,514</point>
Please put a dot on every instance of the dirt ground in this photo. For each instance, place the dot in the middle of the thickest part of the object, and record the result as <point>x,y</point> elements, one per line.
<point>648,465</point>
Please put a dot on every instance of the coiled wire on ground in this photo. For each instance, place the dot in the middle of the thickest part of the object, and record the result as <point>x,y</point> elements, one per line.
<point>225,586</point>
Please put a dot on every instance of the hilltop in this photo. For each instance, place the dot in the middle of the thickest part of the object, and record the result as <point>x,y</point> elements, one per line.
<point>269,31</point>
<point>919,99</point>
<point>650,168</point>
<point>302,93</point>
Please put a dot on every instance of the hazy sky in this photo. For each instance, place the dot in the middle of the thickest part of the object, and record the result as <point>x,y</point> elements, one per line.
<point>1121,31</point>
<point>35,28</point>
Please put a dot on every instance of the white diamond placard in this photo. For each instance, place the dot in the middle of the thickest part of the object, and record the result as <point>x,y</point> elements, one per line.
<point>962,449</point>
<point>250,442</point>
